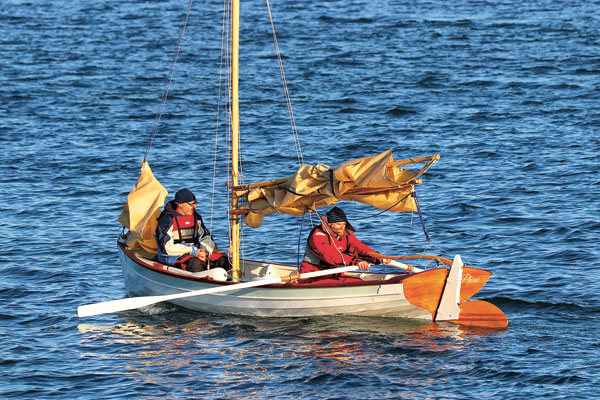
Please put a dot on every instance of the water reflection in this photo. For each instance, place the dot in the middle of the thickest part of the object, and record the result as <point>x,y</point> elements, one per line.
<point>208,354</point>
<point>165,352</point>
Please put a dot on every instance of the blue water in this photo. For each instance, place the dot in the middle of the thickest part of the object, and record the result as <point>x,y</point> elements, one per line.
<point>507,92</point>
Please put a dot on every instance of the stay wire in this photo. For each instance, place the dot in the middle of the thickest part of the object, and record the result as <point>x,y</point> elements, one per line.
<point>300,238</point>
<point>165,95</point>
<point>325,228</point>
<point>216,148</point>
<point>286,91</point>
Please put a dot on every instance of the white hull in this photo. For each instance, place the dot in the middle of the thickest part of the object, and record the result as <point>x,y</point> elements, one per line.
<point>286,300</point>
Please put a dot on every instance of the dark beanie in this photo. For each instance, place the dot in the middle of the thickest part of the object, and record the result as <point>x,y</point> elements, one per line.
<point>184,196</point>
<point>336,214</point>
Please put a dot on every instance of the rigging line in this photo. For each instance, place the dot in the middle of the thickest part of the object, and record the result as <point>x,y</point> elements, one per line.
<point>229,134</point>
<point>414,193</point>
<point>300,237</point>
<point>329,233</point>
<point>306,211</point>
<point>212,202</point>
<point>382,211</point>
<point>441,252</point>
<point>312,225</point>
<point>228,112</point>
<point>287,94</point>
<point>426,249</point>
<point>163,101</point>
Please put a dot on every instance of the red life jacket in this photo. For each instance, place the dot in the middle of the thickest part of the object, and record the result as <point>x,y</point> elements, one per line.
<point>184,229</point>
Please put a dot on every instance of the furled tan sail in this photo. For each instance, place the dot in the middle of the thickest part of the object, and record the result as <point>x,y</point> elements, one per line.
<point>377,181</point>
<point>142,209</point>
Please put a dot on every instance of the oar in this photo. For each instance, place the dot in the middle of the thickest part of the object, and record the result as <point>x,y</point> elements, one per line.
<point>406,267</point>
<point>443,260</point>
<point>131,303</point>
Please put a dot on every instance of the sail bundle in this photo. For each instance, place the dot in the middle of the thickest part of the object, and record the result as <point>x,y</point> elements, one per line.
<point>142,209</point>
<point>378,181</point>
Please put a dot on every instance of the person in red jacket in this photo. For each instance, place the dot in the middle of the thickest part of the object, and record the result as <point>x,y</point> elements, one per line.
<point>333,244</point>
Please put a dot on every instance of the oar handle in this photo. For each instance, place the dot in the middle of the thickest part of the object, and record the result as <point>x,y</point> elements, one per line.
<point>406,267</point>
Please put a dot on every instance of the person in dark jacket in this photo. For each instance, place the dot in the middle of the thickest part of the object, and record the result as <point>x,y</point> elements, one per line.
<point>183,240</point>
<point>333,244</point>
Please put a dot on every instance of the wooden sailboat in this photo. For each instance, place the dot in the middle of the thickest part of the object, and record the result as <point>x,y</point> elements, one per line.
<point>268,289</point>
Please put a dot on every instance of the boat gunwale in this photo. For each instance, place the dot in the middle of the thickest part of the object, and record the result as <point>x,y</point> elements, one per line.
<point>160,268</point>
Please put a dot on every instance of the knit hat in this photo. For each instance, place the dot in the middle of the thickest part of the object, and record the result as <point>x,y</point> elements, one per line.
<point>336,214</point>
<point>184,196</point>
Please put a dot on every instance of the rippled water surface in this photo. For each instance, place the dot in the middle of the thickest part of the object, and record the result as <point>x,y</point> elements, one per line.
<point>507,92</point>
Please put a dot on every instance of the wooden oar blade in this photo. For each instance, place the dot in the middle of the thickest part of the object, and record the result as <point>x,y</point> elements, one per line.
<point>425,289</point>
<point>473,279</point>
<point>481,314</point>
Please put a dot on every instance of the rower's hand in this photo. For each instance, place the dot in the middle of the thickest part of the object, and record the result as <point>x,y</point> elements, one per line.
<point>201,255</point>
<point>363,265</point>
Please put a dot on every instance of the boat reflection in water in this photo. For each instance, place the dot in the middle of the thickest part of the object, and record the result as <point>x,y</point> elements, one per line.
<point>219,354</point>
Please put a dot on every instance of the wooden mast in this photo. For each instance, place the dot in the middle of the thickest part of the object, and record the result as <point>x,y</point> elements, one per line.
<point>235,135</point>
